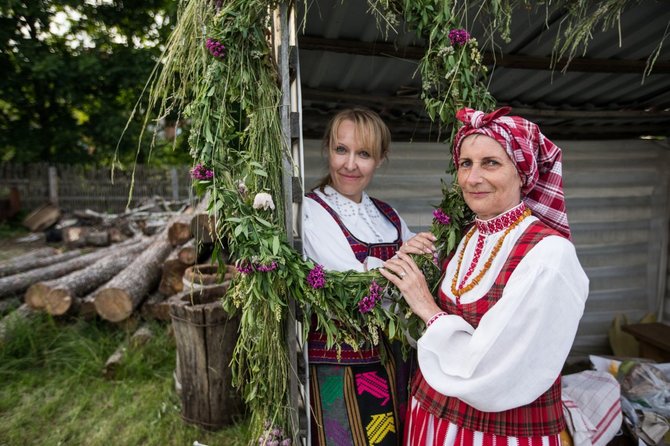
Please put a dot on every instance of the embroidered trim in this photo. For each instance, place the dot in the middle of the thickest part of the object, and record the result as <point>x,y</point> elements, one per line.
<point>502,221</point>
<point>436,317</point>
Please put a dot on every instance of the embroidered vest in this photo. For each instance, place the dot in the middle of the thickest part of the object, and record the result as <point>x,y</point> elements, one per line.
<point>544,416</point>
<point>318,353</point>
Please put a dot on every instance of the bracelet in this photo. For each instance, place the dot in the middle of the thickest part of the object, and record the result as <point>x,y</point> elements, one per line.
<point>436,317</point>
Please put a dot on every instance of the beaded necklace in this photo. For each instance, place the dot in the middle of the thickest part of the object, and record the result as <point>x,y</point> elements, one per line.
<point>458,291</point>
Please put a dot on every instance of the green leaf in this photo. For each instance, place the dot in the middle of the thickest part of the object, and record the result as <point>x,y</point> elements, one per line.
<point>260,172</point>
<point>275,245</point>
<point>262,221</point>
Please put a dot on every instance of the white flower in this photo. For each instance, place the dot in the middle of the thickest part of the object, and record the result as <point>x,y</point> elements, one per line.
<point>263,201</point>
<point>242,188</point>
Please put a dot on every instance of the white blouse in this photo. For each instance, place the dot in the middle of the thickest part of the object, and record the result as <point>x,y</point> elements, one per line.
<point>521,343</point>
<point>324,241</point>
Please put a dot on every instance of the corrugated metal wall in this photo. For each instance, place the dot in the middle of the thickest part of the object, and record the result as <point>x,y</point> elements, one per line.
<point>617,198</point>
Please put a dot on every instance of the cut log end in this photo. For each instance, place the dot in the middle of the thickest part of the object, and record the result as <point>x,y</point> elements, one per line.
<point>113,304</point>
<point>58,302</point>
<point>35,296</point>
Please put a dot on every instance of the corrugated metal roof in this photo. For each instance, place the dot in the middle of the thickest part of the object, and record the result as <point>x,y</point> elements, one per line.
<point>602,95</point>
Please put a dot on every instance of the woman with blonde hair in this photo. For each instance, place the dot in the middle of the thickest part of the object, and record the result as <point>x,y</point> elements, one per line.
<point>355,398</point>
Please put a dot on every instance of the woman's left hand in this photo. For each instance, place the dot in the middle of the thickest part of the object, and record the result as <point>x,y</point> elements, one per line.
<point>402,271</point>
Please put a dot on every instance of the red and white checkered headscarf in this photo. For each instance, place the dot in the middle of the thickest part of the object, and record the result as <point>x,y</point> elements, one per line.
<point>537,160</point>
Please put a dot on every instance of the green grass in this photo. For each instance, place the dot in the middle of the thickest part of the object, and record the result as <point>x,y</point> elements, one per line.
<point>52,391</point>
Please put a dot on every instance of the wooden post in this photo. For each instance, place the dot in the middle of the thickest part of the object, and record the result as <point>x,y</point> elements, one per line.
<point>53,185</point>
<point>175,184</point>
<point>285,42</point>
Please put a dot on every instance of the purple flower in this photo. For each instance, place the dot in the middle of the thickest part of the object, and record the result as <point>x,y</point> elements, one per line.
<point>244,267</point>
<point>264,268</point>
<point>441,217</point>
<point>316,277</point>
<point>368,302</point>
<point>202,172</point>
<point>459,37</point>
<point>216,48</point>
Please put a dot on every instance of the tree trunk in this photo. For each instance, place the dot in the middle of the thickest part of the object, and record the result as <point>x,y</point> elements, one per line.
<point>117,300</point>
<point>193,252</point>
<point>173,272</point>
<point>156,307</point>
<point>179,230</point>
<point>35,259</point>
<point>98,238</point>
<point>18,283</point>
<point>202,224</point>
<point>57,295</point>
<point>202,228</point>
<point>75,236</point>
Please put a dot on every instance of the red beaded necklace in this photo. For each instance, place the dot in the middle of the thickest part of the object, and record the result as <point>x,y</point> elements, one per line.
<point>508,220</point>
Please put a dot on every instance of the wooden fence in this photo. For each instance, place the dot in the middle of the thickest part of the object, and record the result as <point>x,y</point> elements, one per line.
<point>77,187</point>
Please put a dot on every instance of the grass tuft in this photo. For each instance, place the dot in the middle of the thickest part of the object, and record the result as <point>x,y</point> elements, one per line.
<point>52,390</point>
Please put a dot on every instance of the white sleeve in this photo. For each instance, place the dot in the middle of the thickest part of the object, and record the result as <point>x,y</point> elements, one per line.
<point>405,233</point>
<point>521,343</point>
<point>324,241</point>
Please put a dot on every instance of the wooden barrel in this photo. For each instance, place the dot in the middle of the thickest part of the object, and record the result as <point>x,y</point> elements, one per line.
<point>198,276</point>
<point>205,336</point>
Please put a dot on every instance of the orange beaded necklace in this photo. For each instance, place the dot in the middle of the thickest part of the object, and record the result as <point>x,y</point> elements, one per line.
<point>459,291</point>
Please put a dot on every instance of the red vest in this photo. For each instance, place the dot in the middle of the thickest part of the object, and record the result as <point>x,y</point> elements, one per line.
<point>316,346</point>
<point>544,416</point>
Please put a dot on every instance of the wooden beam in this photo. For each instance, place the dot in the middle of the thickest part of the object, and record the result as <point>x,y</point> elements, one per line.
<point>513,61</point>
<point>378,102</point>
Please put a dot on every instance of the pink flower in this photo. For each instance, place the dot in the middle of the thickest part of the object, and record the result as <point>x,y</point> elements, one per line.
<point>264,268</point>
<point>441,217</point>
<point>459,37</point>
<point>216,48</point>
<point>366,304</point>
<point>316,277</point>
<point>244,267</point>
<point>202,172</point>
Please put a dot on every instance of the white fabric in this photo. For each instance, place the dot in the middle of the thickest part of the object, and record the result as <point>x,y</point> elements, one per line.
<point>521,343</point>
<point>592,408</point>
<point>326,244</point>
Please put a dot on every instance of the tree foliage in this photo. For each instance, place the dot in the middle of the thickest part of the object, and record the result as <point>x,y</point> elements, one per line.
<point>72,72</point>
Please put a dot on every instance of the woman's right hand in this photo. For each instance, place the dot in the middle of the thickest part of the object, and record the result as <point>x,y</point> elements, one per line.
<point>421,243</point>
<point>403,272</point>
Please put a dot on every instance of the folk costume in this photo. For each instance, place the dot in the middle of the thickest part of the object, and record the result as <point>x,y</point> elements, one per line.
<point>512,296</point>
<point>355,399</point>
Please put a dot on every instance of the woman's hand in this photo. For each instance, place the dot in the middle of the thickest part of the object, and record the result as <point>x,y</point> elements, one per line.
<point>421,243</point>
<point>404,274</point>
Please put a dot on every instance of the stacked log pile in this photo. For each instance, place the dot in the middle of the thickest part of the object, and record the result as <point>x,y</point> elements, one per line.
<point>127,279</point>
<point>162,271</point>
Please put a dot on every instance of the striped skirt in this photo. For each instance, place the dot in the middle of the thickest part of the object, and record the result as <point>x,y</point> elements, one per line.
<point>424,429</point>
<point>358,405</point>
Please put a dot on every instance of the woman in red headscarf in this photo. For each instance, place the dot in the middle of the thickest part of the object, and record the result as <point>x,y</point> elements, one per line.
<point>508,307</point>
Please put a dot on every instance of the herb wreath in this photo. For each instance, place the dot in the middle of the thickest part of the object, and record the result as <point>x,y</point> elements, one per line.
<point>217,73</point>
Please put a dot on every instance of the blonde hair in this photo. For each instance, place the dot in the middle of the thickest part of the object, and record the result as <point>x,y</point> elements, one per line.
<point>371,131</point>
